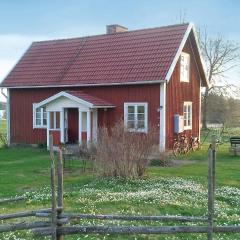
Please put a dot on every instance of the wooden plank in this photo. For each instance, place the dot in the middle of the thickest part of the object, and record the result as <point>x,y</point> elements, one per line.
<point>135,218</point>
<point>211,186</point>
<point>8,200</point>
<point>23,226</point>
<point>37,213</point>
<point>53,198</point>
<point>135,230</point>
<point>122,230</point>
<point>60,190</point>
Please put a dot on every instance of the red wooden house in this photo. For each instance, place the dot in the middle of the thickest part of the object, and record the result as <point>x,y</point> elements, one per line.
<point>70,87</point>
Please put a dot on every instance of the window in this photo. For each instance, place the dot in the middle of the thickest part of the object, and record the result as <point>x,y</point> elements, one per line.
<point>135,116</point>
<point>54,120</point>
<point>40,117</point>
<point>184,67</point>
<point>187,115</point>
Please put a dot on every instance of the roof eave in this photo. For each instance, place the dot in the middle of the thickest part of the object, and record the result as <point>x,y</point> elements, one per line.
<point>85,85</point>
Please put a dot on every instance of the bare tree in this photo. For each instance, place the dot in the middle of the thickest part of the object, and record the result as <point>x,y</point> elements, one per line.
<point>220,56</point>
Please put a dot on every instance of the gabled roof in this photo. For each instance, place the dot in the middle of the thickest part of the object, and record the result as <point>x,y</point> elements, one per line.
<point>133,57</point>
<point>80,97</point>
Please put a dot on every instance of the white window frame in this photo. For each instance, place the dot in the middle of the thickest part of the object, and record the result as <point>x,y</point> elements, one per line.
<point>135,105</point>
<point>41,125</point>
<point>187,127</point>
<point>54,121</point>
<point>186,56</point>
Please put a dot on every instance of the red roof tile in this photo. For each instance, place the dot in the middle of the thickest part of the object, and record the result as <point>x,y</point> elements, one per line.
<point>97,102</point>
<point>134,56</point>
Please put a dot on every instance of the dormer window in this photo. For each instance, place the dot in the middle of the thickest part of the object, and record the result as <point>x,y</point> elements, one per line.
<point>184,67</point>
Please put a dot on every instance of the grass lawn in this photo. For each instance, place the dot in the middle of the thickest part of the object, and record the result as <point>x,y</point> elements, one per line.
<point>171,190</point>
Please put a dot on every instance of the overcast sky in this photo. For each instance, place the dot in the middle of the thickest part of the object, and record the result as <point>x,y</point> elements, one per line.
<point>22,22</point>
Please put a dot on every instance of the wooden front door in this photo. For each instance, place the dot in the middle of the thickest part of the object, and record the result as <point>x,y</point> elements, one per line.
<point>72,125</point>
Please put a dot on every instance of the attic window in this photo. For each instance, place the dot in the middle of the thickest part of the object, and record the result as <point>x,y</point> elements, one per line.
<point>184,67</point>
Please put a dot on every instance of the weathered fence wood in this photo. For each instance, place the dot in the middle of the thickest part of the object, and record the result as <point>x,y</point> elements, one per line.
<point>36,213</point>
<point>122,230</point>
<point>24,214</point>
<point>211,186</point>
<point>60,191</point>
<point>23,226</point>
<point>54,207</point>
<point>135,218</point>
<point>8,200</point>
<point>135,230</point>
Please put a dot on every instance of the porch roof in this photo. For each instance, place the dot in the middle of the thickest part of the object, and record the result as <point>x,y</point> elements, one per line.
<point>80,97</point>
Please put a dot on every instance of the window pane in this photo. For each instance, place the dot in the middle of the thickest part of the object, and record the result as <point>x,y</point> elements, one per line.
<point>140,125</point>
<point>141,117</point>
<point>130,124</point>
<point>38,110</point>
<point>130,109</point>
<point>44,122</point>
<point>131,116</point>
<point>140,109</point>
<point>38,115</point>
<point>38,121</point>
<point>52,120</point>
<point>57,120</point>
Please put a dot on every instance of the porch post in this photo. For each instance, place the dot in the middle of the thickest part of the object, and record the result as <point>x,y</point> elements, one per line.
<point>62,126</point>
<point>80,126</point>
<point>48,127</point>
<point>88,126</point>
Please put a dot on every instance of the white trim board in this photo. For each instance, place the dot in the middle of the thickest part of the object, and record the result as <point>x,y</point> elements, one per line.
<point>179,51</point>
<point>88,85</point>
<point>162,116</point>
<point>71,97</point>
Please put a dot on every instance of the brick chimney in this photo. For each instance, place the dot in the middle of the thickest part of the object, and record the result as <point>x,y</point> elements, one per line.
<point>115,28</point>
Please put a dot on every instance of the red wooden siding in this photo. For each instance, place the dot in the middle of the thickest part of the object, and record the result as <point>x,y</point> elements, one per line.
<point>21,101</point>
<point>177,92</point>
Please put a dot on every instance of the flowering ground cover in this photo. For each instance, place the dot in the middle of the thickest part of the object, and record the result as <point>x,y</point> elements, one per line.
<point>177,190</point>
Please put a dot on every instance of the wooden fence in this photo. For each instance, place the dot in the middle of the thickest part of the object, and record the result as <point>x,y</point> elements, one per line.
<point>55,225</point>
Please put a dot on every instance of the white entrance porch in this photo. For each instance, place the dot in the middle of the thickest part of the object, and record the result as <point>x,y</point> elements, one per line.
<point>72,117</point>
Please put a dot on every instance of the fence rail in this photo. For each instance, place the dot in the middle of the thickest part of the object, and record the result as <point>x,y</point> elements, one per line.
<point>57,229</point>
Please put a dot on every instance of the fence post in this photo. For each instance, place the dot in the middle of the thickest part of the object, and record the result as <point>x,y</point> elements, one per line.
<point>53,197</point>
<point>211,185</point>
<point>60,189</point>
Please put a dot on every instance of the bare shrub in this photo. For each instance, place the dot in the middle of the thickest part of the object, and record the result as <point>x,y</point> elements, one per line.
<point>120,153</point>
<point>3,139</point>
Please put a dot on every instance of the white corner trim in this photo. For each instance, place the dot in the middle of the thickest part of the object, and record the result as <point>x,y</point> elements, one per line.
<point>200,52</point>
<point>8,119</point>
<point>162,115</point>
<point>179,51</point>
